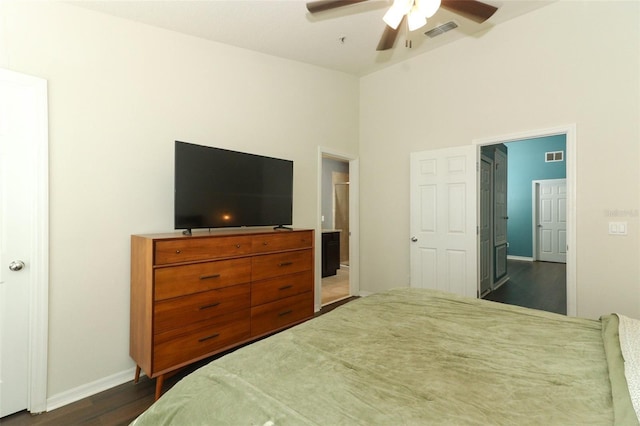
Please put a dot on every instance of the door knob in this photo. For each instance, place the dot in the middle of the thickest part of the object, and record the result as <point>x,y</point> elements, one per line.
<point>414,239</point>
<point>16,265</point>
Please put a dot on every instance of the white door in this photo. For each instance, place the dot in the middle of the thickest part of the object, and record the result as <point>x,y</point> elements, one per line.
<point>443,221</point>
<point>552,220</point>
<point>486,247</point>
<point>22,127</point>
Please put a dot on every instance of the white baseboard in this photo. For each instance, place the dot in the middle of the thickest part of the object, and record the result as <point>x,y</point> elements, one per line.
<point>526,259</point>
<point>363,293</point>
<point>89,389</point>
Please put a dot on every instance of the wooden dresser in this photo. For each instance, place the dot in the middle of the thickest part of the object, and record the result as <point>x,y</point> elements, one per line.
<point>195,296</point>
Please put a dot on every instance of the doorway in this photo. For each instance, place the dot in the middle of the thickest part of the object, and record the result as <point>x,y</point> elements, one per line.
<point>493,214</point>
<point>533,282</point>
<point>444,210</point>
<point>335,230</point>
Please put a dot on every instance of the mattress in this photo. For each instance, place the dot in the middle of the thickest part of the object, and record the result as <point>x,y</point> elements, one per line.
<point>413,356</point>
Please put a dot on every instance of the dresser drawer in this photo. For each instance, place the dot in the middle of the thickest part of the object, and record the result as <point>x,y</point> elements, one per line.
<point>179,346</point>
<point>277,264</point>
<point>181,311</point>
<point>274,315</point>
<point>200,248</point>
<point>281,241</point>
<point>277,288</point>
<point>187,279</point>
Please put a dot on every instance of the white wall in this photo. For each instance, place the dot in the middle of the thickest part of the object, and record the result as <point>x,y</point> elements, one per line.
<point>119,95</point>
<point>570,62</point>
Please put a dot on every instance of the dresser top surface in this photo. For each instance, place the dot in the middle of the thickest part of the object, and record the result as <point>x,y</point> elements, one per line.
<point>220,233</point>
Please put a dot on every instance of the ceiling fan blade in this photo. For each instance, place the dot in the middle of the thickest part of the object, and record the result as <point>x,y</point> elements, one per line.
<point>322,5</point>
<point>472,9</point>
<point>388,38</point>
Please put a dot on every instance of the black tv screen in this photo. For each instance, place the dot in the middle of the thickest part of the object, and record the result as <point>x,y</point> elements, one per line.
<point>217,188</point>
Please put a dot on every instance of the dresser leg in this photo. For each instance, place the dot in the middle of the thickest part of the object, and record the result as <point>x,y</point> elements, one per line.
<point>159,383</point>
<point>137,376</point>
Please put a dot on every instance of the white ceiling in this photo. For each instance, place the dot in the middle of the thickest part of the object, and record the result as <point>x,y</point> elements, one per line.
<point>286,29</point>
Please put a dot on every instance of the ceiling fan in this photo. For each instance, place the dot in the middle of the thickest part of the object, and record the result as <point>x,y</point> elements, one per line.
<point>415,12</point>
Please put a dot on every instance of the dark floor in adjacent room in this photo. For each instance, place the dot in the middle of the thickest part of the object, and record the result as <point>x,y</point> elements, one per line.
<point>538,285</point>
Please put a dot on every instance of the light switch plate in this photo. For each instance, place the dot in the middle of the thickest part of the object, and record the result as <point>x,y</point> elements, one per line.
<point>618,228</point>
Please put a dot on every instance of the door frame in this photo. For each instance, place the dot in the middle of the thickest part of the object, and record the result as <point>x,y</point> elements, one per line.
<point>569,130</point>
<point>354,223</point>
<point>39,256</point>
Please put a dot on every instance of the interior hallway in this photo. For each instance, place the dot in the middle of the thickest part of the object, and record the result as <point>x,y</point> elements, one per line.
<point>538,285</point>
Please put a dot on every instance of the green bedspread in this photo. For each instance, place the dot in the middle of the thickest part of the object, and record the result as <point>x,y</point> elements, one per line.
<point>411,357</point>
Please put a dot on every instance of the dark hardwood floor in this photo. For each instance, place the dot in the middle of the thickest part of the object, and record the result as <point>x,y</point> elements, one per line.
<point>116,406</point>
<point>538,285</point>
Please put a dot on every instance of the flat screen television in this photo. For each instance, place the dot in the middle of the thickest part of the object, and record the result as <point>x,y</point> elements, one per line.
<point>219,188</point>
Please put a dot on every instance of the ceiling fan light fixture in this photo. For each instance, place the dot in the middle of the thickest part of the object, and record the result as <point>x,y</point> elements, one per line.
<point>393,17</point>
<point>428,7</point>
<point>416,19</point>
<point>404,6</point>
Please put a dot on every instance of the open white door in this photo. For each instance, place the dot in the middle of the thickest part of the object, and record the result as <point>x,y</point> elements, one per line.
<point>443,222</point>
<point>23,243</point>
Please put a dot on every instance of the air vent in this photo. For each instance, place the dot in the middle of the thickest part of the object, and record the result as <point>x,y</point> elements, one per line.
<point>553,156</point>
<point>441,29</point>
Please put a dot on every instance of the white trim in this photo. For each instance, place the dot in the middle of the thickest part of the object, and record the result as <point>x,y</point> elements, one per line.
<point>522,258</point>
<point>569,130</point>
<point>39,304</point>
<point>354,227</point>
<point>39,257</point>
<point>354,223</point>
<point>76,394</point>
<point>534,220</point>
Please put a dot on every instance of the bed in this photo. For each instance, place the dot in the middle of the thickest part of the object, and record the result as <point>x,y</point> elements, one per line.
<point>412,356</point>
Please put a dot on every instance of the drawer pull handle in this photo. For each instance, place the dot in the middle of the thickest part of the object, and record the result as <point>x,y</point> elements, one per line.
<point>208,277</point>
<point>284,287</point>
<point>213,336</point>
<point>281,314</point>
<point>285,263</point>
<point>237,245</point>
<point>178,252</point>
<point>264,243</point>
<point>213,305</point>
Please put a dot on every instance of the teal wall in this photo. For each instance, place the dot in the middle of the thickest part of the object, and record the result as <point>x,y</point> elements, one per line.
<point>526,164</point>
